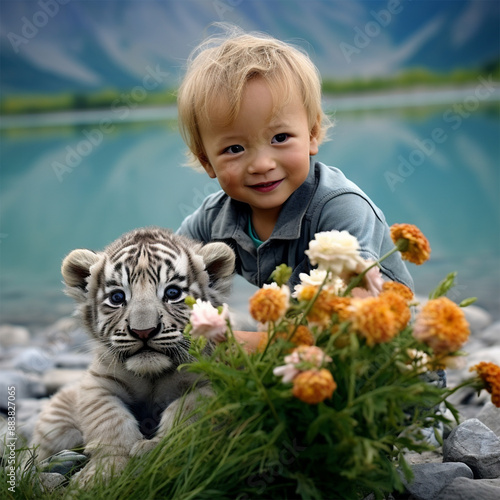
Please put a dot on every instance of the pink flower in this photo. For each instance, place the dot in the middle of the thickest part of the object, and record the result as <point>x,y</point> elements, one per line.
<point>308,354</point>
<point>288,372</point>
<point>208,322</point>
<point>371,284</point>
<point>301,358</point>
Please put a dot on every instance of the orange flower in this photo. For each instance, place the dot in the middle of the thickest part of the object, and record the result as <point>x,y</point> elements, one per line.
<point>441,324</point>
<point>326,304</point>
<point>418,249</point>
<point>341,307</point>
<point>306,292</point>
<point>399,307</point>
<point>269,303</point>
<point>490,375</point>
<point>314,386</point>
<point>399,288</point>
<point>302,336</point>
<point>373,318</point>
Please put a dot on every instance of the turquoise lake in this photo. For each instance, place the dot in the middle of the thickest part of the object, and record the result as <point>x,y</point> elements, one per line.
<point>81,181</point>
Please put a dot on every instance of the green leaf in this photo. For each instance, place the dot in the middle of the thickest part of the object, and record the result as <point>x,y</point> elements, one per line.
<point>467,302</point>
<point>444,286</point>
<point>438,436</point>
<point>453,410</point>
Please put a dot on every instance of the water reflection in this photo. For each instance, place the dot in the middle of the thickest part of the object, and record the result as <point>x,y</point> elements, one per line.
<point>134,177</point>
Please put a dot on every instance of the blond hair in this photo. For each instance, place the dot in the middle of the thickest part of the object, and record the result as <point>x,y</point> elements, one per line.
<point>219,69</point>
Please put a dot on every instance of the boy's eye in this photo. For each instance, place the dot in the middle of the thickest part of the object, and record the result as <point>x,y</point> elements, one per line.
<point>279,138</point>
<point>234,149</point>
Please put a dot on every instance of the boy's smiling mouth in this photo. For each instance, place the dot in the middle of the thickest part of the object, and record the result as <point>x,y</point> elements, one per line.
<point>265,187</point>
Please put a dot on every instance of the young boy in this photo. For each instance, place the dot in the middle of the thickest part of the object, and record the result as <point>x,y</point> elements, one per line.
<point>250,113</point>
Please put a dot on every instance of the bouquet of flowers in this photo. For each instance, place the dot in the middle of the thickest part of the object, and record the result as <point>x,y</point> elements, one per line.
<point>339,387</point>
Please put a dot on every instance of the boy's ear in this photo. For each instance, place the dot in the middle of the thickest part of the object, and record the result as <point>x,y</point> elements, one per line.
<point>313,145</point>
<point>314,137</point>
<point>208,168</point>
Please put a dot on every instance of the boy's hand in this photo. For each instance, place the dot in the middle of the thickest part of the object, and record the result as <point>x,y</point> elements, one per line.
<point>249,340</point>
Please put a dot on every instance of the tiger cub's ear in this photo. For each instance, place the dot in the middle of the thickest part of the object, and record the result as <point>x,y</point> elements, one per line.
<point>75,269</point>
<point>219,262</point>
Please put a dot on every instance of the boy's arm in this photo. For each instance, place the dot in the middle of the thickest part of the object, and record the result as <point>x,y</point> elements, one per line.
<point>355,214</point>
<point>198,225</point>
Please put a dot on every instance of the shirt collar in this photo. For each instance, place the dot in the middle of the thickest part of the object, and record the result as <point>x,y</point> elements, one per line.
<point>232,220</point>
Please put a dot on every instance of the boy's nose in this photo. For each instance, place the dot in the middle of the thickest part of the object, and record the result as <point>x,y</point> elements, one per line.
<point>261,163</point>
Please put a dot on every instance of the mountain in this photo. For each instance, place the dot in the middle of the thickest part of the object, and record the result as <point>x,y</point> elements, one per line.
<point>89,45</point>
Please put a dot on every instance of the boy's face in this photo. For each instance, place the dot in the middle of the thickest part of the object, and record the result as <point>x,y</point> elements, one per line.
<point>260,158</point>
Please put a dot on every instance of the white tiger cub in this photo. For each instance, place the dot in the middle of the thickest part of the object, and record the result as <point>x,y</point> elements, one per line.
<point>131,300</point>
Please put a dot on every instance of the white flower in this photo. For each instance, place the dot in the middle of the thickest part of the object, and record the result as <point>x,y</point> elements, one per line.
<point>316,278</point>
<point>334,250</point>
<point>208,322</point>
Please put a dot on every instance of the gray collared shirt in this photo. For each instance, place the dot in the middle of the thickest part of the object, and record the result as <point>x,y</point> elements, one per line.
<point>326,200</point>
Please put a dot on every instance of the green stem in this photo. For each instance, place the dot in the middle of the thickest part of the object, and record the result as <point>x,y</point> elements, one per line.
<point>270,328</point>
<point>316,295</point>
<point>401,245</point>
<point>251,367</point>
<point>465,383</point>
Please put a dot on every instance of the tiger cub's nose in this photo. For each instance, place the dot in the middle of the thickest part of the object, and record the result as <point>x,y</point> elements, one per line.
<point>143,334</point>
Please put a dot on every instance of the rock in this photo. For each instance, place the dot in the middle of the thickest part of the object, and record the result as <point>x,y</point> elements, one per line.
<point>491,354</point>
<point>426,457</point>
<point>490,416</point>
<point>475,445</point>
<point>472,345</point>
<point>27,411</point>
<point>73,360</point>
<point>59,377</point>
<point>429,479</point>
<point>65,462</point>
<point>12,335</point>
<point>457,376</point>
<point>49,481</point>
<point>478,319</point>
<point>24,386</point>
<point>3,434</point>
<point>34,360</point>
<point>491,335</point>
<point>463,488</point>
<point>66,331</point>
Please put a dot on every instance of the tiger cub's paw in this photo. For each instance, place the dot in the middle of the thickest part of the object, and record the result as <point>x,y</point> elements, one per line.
<point>143,446</point>
<point>99,470</point>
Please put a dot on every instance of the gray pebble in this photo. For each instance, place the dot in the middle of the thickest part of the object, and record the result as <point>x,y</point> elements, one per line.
<point>475,445</point>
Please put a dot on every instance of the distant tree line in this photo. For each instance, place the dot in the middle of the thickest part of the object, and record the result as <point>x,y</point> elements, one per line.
<point>107,98</point>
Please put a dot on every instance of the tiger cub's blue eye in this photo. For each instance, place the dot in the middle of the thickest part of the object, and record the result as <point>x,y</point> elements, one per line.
<point>172,292</point>
<point>117,297</point>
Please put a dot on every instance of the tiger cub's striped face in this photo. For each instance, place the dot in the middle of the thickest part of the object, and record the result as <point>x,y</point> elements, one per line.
<point>132,294</point>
